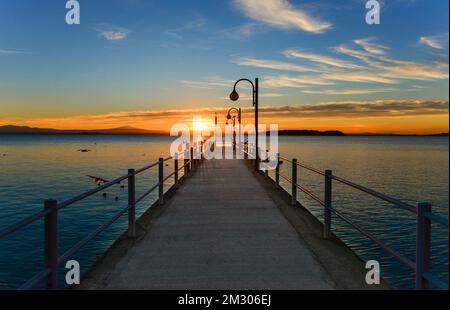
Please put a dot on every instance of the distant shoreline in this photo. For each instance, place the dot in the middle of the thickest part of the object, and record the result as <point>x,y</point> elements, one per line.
<point>130,131</point>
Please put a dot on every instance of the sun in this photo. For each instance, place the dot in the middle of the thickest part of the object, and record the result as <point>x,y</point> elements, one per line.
<point>199,125</point>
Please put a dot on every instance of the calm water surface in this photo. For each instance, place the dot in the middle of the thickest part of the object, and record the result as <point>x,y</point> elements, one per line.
<point>41,167</point>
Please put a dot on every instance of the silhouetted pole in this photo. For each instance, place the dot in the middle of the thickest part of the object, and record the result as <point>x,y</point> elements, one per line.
<point>234,96</point>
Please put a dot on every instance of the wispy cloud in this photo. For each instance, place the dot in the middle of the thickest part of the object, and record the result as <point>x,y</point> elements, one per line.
<point>320,59</point>
<point>285,81</point>
<point>10,51</point>
<point>359,76</point>
<point>262,95</point>
<point>369,46</point>
<point>214,82</point>
<point>383,66</point>
<point>356,91</point>
<point>197,23</point>
<point>351,52</point>
<point>415,71</point>
<point>111,33</point>
<point>241,32</point>
<point>369,108</point>
<point>437,41</point>
<point>281,14</point>
<point>271,64</point>
<point>372,65</point>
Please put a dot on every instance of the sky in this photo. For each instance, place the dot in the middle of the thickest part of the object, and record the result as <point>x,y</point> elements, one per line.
<point>150,64</point>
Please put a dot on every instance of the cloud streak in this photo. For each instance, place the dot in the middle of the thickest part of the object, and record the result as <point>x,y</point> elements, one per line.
<point>281,14</point>
<point>111,33</point>
<point>320,59</point>
<point>371,64</point>
<point>11,51</point>
<point>275,65</point>
<point>375,108</point>
<point>370,47</point>
<point>195,24</point>
<point>436,42</point>
<point>351,91</point>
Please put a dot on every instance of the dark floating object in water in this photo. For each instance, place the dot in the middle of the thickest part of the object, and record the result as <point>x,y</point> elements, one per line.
<point>104,194</point>
<point>117,198</point>
<point>97,180</point>
<point>3,155</point>
<point>122,186</point>
<point>83,150</point>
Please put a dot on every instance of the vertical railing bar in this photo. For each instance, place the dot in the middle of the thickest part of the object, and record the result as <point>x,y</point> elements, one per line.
<point>51,244</point>
<point>131,203</point>
<point>327,204</point>
<point>186,160</point>
<point>277,172</point>
<point>175,169</point>
<point>294,182</point>
<point>423,240</point>
<point>161,181</point>
<point>192,159</point>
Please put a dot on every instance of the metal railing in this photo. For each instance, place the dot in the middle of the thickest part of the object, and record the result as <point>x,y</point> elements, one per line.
<point>52,207</point>
<point>423,212</point>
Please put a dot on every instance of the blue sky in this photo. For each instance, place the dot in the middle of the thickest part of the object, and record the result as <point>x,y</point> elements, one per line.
<point>132,55</point>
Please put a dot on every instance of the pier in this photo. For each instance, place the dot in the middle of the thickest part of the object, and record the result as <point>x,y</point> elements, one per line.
<point>223,225</point>
<point>221,230</point>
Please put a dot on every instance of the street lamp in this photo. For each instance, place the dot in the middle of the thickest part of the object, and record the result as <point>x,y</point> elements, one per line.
<point>238,110</point>
<point>234,96</point>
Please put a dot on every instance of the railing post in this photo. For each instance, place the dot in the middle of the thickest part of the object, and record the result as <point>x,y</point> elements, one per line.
<point>131,203</point>
<point>277,172</point>
<point>253,155</point>
<point>192,159</point>
<point>186,161</point>
<point>423,239</point>
<point>327,205</point>
<point>201,150</point>
<point>257,158</point>
<point>161,180</point>
<point>294,182</point>
<point>266,157</point>
<point>175,169</point>
<point>245,151</point>
<point>51,244</point>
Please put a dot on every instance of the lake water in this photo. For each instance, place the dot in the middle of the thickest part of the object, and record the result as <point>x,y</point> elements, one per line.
<point>41,167</point>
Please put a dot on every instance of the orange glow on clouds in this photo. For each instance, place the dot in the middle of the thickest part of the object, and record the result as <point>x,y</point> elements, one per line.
<point>403,117</point>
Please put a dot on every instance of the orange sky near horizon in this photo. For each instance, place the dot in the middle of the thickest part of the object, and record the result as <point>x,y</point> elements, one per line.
<point>286,117</point>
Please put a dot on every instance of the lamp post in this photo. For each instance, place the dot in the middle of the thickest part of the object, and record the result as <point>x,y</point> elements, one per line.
<point>234,96</point>
<point>239,117</point>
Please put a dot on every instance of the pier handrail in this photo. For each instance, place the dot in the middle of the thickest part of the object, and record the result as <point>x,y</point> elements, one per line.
<point>192,157</point>
<point>424,217</point>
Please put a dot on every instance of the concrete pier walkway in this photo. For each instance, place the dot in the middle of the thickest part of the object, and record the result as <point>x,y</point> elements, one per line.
<point>220,231</point>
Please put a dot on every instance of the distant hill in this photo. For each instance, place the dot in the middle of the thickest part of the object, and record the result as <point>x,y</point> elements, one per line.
<point>128,130</point>
<point>25,130</point>
<point>400,135</point>
<point>310,133</point>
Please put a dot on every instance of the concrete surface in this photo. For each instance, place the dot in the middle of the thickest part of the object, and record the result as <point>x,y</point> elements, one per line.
<point>221,230</point>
